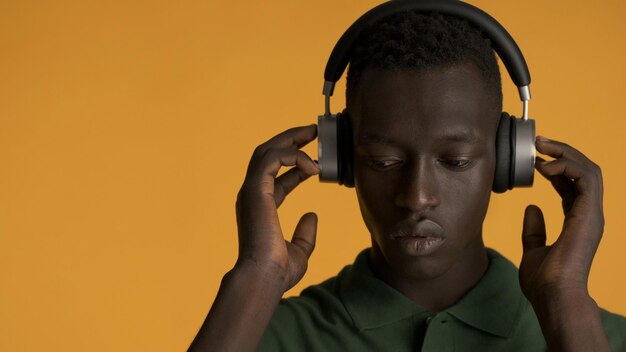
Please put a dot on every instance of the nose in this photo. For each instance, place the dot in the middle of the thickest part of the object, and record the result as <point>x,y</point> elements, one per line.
<point>419,189</point>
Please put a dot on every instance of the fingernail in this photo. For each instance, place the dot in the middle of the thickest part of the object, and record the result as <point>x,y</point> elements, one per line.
<point>317,165</point>
<point>543,139</point>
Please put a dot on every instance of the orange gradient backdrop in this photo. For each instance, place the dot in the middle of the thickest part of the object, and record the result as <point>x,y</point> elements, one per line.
<point>126,128</point>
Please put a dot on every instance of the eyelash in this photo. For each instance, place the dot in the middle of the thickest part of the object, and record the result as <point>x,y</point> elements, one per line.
<point>377,163</point>
<point>462,164</point>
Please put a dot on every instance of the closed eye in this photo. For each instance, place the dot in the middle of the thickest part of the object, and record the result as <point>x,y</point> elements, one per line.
<point>382,164</point>
<point>457,163</point>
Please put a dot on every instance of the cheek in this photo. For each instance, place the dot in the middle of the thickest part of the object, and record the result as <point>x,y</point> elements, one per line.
<point>466,199</point>
<point>375,195</point>
<point>470,186</point>
<point>368,213</point>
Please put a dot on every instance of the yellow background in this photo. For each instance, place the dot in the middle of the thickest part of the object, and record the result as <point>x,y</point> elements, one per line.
<point>126,128</point>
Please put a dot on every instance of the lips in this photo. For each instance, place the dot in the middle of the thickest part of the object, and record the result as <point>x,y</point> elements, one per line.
<point>418,239</point>
<point>423,228</point>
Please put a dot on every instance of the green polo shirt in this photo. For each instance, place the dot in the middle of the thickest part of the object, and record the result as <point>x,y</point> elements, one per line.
<point>356,311</point>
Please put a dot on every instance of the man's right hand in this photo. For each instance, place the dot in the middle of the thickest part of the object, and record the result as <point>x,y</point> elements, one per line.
<point>262,246</point>
<point>268,265</point>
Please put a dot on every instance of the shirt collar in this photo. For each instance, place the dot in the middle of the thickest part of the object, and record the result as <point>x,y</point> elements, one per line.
<point>370,301</point>
<point>493,305</point>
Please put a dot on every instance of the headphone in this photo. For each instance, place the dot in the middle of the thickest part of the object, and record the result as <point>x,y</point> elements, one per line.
<point>515,140</point>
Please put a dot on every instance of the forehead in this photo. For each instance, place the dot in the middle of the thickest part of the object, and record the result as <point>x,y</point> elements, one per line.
<point>433,103</point>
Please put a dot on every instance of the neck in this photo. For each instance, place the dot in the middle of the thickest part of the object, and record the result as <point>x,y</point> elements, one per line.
<point>438,293</point>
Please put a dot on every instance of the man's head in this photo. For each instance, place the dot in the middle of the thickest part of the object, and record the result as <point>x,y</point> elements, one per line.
<point>424,97</point>
<point>421,41</point>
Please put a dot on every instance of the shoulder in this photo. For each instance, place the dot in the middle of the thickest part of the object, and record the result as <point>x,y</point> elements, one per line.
<point>317,302</point>
<point>302,320</point>
<point>528,329</point>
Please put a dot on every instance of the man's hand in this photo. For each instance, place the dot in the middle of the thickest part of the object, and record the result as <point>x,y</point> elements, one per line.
<point>268,265</point>
<point>261,241</point>
<point>554,277</point>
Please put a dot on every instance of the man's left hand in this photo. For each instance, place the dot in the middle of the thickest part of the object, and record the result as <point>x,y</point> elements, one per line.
<point>554,277</point>
<point>564,266</point>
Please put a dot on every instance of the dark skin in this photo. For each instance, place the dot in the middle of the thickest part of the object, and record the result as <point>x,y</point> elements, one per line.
<point>433,159</point>
<point>423,173</point>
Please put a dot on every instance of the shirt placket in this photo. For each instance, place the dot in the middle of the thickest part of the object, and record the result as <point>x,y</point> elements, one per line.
<point>438,336</point>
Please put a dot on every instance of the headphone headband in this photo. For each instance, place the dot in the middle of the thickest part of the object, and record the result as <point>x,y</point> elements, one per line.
<point>502,42</point>
<point>515,138</point>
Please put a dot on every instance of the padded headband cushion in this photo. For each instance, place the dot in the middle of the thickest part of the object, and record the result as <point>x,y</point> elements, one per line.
<point>501,40</point>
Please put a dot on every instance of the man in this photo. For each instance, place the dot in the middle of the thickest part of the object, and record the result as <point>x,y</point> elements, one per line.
<point>424,96</point>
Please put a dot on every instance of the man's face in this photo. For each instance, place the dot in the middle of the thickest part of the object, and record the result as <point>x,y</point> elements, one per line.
<point>424,164</point>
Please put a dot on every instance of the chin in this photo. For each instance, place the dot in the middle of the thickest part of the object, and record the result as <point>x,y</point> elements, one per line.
<point>421,267</point>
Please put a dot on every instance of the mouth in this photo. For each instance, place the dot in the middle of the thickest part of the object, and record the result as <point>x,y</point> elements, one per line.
<point>422,228</point>
<point>420,238</point>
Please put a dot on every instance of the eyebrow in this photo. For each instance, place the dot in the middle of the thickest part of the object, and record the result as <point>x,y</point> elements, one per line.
<point>374,139</point>
<point>463,136</point>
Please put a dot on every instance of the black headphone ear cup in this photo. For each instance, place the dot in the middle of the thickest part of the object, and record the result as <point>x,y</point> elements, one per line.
<point>345,146</point>
<point>513,140</point>
<point>502,177</point>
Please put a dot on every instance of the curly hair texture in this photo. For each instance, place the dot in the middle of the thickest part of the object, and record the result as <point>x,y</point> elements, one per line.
<point>418,40</point>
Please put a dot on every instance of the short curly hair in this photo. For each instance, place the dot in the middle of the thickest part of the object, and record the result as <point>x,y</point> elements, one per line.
<point>422,40</point>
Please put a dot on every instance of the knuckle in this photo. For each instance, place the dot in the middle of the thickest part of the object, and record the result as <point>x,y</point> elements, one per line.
<point>238,201</point>
<point>244,192</point>
<point>300,155</point>
<point>565,145</point>
<point>292,130</point>
<point>271,155</point>
<point>597,168</point>
<point>237,204</point>
<point>240,195</point>
<point>259,150</point>
<point>281,155</point>
<point>600,227</point>
<point>602,222</point>
<point>304,156</point>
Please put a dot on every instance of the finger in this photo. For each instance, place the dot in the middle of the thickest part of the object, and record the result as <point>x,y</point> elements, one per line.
<point>562,167</point>
<point>558,149</point>
<point>563,186</point>
<point>305,233</point>
<point>263,171</point>
<point>296,137</point>
<point>275,158</point>
<point>566,189</point>
<point>583,179</point>
<point>562,150</point>
<point>286,182</point>
<point>534,229</point>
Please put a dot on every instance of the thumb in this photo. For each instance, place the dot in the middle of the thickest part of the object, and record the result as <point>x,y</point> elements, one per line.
<point>305,232</point>
<point>534,230</point>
